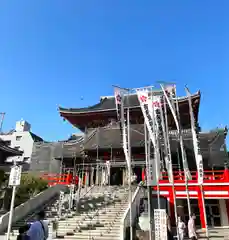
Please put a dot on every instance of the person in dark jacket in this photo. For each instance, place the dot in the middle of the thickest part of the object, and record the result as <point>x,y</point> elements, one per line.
<point>169,228</point>
<point>22,232</point>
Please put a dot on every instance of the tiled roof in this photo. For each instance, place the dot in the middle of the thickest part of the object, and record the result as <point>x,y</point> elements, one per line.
<point>9,150</point>
<point>35,137</point>
<point>108,104</point>
<point>107,137</point>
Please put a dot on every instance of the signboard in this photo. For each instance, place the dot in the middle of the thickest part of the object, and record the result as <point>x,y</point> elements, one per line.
<point>150,172</point>
<point>160,223</point>
<point>14,159</point>
<point>15,176</point>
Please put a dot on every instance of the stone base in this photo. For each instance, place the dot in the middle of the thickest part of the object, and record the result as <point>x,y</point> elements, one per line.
<point>143,235</point>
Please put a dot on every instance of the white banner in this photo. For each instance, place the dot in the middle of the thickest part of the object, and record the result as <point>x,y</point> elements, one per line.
<point>143,97</point>
<point>196,145</point>
<point>119,100</point>
<point>158,129</point>
<point>173,111</point>
<point>153,173</point>
<point>168,160</point>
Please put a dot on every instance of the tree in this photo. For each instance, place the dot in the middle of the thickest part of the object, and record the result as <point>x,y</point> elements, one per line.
<point>29,187</point>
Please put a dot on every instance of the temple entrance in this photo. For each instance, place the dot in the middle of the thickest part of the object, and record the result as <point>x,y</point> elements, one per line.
<point>116,177</point>
<point>138,172</point>
<point>212,211</point>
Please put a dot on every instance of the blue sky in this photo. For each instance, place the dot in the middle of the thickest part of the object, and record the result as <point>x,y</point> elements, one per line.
<point>53,52</point>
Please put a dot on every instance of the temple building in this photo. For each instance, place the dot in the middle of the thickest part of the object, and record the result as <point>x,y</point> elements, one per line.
<point>5,153</point>
<point>102,141</point>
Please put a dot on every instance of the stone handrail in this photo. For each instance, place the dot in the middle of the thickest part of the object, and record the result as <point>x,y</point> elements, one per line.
<point>31,205</point>
<point>125,222</point>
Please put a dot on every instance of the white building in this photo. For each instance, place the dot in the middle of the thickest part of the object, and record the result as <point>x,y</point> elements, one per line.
<point>22,139</point>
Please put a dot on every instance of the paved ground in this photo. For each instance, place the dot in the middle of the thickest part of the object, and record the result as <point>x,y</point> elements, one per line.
<point>216,234</point>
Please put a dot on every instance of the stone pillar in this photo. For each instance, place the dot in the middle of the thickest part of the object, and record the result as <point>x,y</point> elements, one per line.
<point>97,176</point>
<point>92,177</point>
<point>125,176</point>
<point>87,178</point>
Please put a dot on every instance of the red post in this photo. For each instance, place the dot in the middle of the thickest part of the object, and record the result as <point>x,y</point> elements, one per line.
<point>171,205</point>
<point>227,206</point>
<point>201,208</point>
<point>143,174</point>
<point>226,174</point>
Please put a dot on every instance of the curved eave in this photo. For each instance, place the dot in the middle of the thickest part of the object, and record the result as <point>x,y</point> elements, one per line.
<point>10,150</point>
<point>95,108</point>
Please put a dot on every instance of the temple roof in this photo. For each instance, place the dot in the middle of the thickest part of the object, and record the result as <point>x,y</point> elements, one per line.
<point>108,104</point>
<point>101,114</point>
<point>8,150</point>
<point>108,137</point>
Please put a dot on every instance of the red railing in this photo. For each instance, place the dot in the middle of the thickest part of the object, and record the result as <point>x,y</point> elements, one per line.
<point>210,176</point>
<point>65,179</point>
<point>215,176</point>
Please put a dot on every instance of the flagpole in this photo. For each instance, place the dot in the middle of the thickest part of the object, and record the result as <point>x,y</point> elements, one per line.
<point>156,152</point>
<point>149,187</point>
<point>184,157</point>
<point>129,153</point>
<point>198,156</point>
<point>125,131</point>
<point>183,153</point>
<point>169,155</point>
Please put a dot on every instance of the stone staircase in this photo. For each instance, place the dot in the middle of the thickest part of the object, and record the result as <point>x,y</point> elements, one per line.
<point>102,221</point>
<point>51,210</point>
<point>98,217</point>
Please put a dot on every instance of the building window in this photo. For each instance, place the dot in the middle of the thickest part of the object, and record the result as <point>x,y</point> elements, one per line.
<point>8,143</point>
<point>18,138</point>
<point>26,159</point>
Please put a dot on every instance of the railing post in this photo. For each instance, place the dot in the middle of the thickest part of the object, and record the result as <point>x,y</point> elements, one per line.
<point>226,174</point>
<point>171,205</point>
<point>201,207</point>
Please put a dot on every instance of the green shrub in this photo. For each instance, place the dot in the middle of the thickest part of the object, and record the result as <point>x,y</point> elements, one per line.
<point>29,187</point>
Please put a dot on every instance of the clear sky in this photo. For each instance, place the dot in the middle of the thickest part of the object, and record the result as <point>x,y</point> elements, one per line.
<point>55,52</point>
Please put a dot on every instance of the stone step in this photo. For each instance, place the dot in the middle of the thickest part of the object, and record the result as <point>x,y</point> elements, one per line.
<point>96,237</point>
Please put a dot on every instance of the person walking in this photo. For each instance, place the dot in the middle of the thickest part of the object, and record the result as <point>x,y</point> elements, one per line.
<point>169,228</point>
<point>181,228</point>
<point>39,229</point>
<point>192,228</point>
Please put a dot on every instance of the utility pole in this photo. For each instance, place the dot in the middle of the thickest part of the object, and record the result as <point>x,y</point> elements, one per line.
<point>2,120</point>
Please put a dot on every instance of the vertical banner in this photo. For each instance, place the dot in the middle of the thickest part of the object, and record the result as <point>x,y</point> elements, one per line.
<point>168,93</point>
<point>119,101</point>
<point>196,144</point>
<point>158,130</point>
<point>164,124</point>
<point>146,105</point>
<point>149,117</point>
